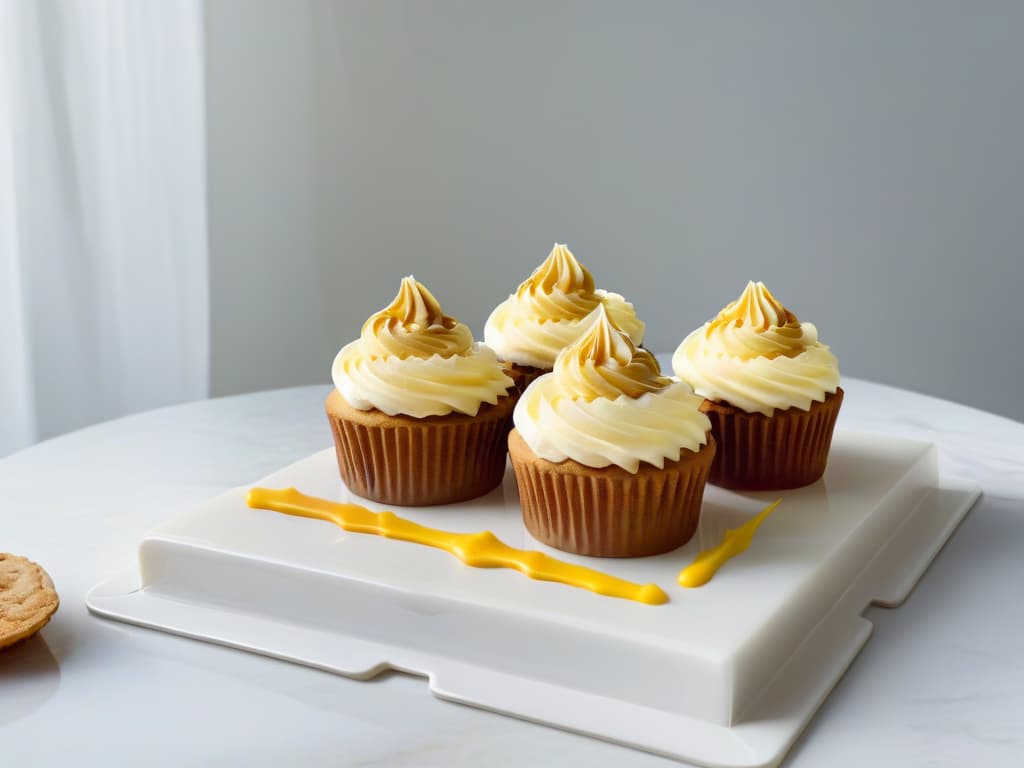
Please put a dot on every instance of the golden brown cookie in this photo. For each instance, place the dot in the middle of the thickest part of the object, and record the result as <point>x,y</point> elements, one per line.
<point>27,599</point>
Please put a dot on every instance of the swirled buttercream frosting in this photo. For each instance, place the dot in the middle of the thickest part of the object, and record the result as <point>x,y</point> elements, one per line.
<point>547,312</point>
<point>607,403</point>
<point>413,359</point>
<point>756,355</point>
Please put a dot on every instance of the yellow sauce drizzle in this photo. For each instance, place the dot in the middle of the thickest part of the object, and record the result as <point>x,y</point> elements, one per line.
<point>706,564</point>
<point>480,550</point>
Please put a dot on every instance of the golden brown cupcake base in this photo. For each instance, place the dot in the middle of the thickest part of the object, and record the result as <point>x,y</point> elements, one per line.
<point>610,512</point>
<point>406,461</point>
<point>788,449</point>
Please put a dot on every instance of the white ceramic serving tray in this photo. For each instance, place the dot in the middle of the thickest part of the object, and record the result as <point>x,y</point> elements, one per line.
<point>724,675</point>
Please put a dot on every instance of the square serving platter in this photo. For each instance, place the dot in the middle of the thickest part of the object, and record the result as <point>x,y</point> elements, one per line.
<point>724,675</point>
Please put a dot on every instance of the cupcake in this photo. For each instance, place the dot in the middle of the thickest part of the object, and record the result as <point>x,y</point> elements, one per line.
<point>547,313</point>
<point>610,456</point>
<point>420,413</point>
<point>771,390</point>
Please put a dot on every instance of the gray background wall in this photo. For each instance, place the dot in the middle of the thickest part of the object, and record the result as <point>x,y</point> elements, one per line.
<point>863,159</point>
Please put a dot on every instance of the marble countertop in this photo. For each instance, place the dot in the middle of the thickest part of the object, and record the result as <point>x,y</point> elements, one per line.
<point>940,683</point>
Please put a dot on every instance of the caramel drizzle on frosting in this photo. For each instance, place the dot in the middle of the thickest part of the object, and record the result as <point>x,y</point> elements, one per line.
<point>560,272</point>
<point>757,311</point>
<point>605,363</point>
<point>416,306</point>
<point>414,325</point>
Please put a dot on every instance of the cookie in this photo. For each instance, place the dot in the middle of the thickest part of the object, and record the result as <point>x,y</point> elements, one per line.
<point>27,599</point>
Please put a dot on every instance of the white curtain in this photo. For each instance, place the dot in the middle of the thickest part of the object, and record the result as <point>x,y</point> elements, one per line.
<point>104,306</point>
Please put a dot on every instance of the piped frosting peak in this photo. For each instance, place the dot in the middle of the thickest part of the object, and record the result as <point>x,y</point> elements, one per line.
<point>415,306</point>
<point>561,272</point>
<point>758,325</point>
<point>756,355</point>
<point>414,325</point>
<point>604,362</point>
<point>758,308</point>
<point>413,359</point>
<point>550,310</point>
<point>607,403</point>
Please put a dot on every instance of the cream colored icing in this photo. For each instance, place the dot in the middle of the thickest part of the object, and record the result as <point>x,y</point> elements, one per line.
<point>607,403</point>
<point>756,355</point>
<point>412,359</point>
<point>548,310</point>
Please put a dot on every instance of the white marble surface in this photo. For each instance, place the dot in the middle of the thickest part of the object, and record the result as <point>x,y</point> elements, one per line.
<point>941,682</point>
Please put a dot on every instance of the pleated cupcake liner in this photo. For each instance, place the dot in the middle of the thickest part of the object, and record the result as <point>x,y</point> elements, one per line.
<point>788,449</point>
<point>405,461</point>
<point>610,512</point>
